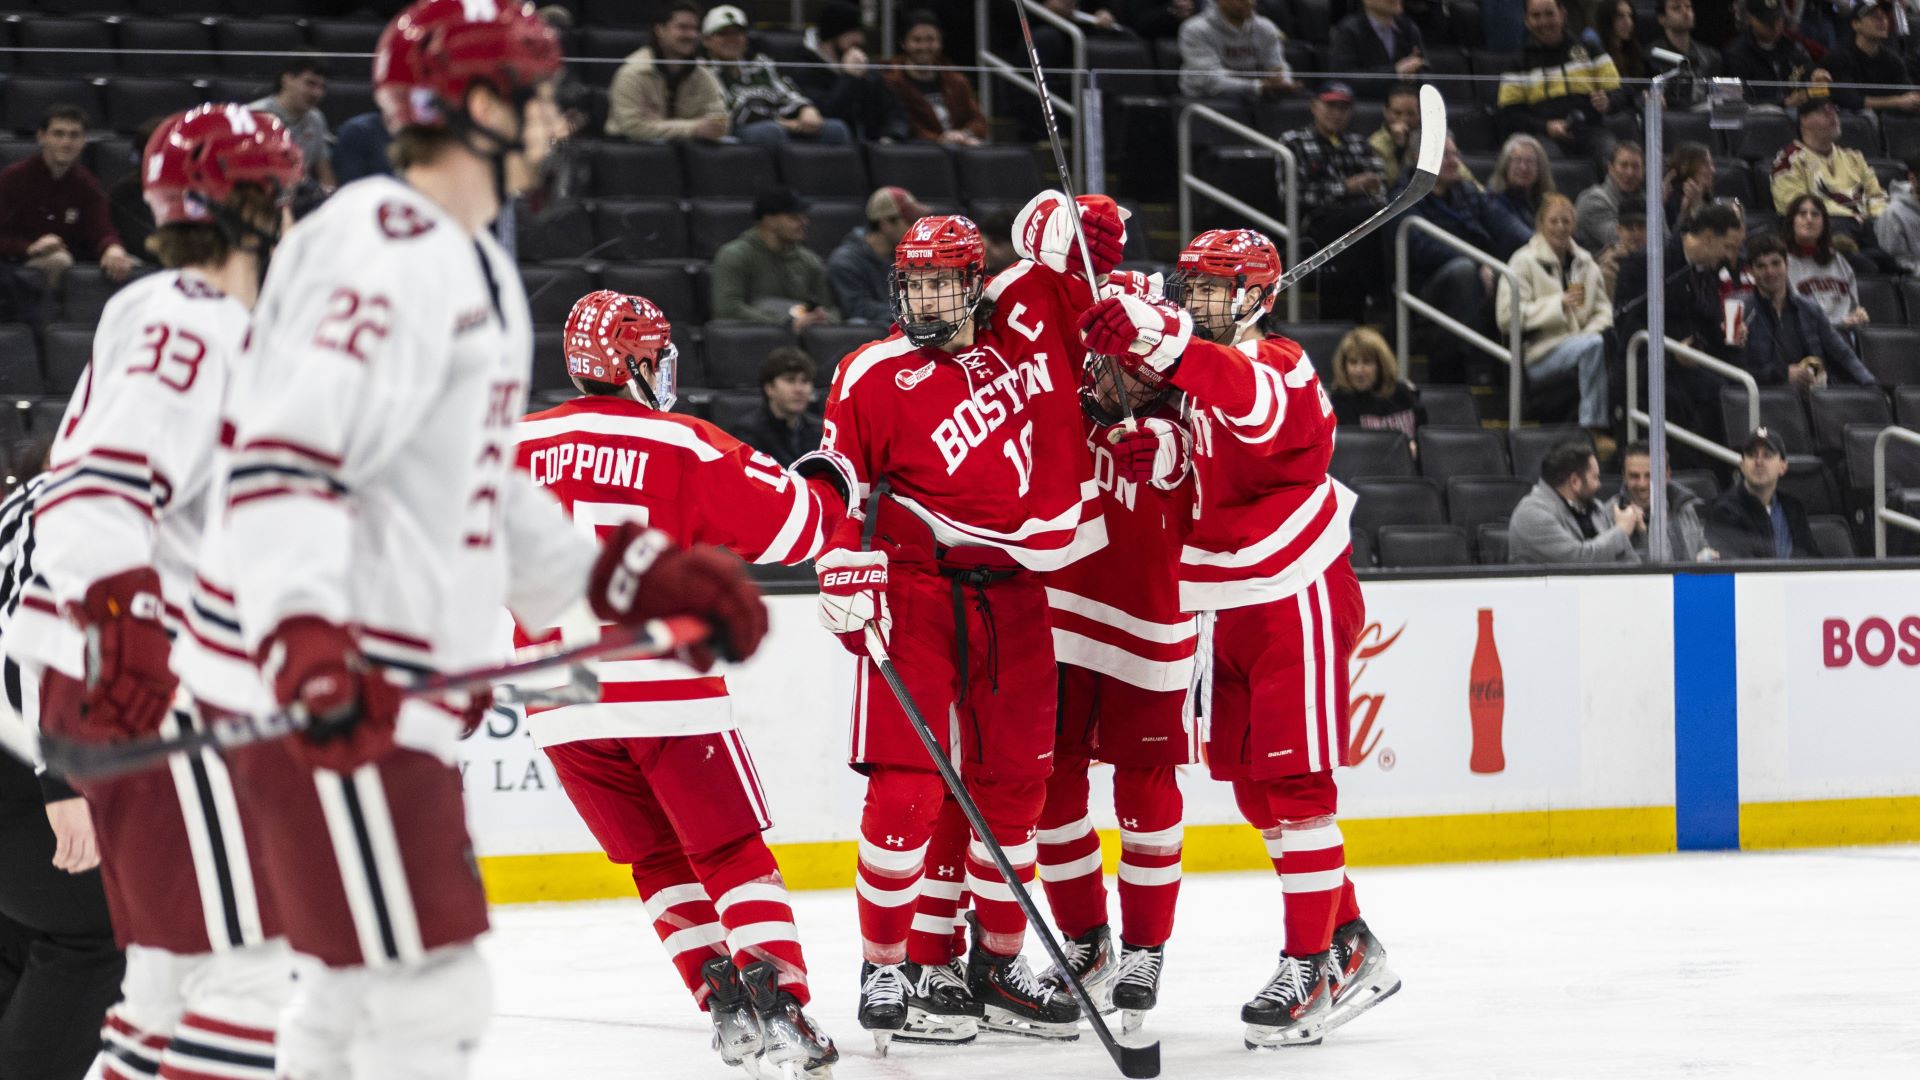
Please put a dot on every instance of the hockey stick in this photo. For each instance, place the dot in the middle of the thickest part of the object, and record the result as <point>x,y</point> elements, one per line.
<point>86,760</point>
<point>1133,1061</point>
<point>1433,147</point>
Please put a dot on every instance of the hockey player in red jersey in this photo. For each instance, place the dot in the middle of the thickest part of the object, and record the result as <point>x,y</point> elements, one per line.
<point>1266,562</point>
<point>656,766</point>
<point>967,419</point>
<point>122,509</point>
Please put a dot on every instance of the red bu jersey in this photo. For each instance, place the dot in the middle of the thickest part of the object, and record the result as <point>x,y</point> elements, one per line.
<point>612,460</point>
<point>1267,517</point>
<point>984,445</point>
<point>1117,611</point>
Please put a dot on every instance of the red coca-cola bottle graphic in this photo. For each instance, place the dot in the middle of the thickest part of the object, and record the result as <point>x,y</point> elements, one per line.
<point>1486,701</point>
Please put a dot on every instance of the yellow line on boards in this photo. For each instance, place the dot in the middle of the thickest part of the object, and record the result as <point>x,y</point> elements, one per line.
<point>1830,822</point>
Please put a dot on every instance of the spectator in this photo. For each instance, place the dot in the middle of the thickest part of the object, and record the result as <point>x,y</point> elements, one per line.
<point>1768,53</point>
<point>1686,533</point>
<point>1560,522</point>
<point>1521,177</point>
<point>1341,183</point>
<point>1814,162</point>
<point>1686,184</point>
<point>1753,518</point>
<point>1452,281</point>
<point>1597,210</point>
<point>1898,230</point>
<point>1154,19</point>
<point>996,231</point>
<point>1868,59</point>
<point>295,101</point>
<point>784,428</point>
<point>1688,89</point>
<point>768,274</point>
<point>1562,91</point>
<point>762,106</point>
<point>1367,389</point>
<point>127,208</point>
<point>1819,273</point>
<point>1629,240</point>
<point>361,148</point>
<point>52,210</point>
<point>1618,35</point>
<point>1397,142</point>
<point>1695,312</point>
<point>661,93</point>
<point>1818,24</point>
<point>1564,313</point>
<point>832,70</point>
<point>1790,341</point>
<point>860,270</point>
<point>938,99</point>
<point>1378,40</point>
<point>1229,51</point>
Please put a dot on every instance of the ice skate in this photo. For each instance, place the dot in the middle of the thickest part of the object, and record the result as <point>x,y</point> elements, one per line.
<point>1362,977</point>
<point>792,1046</point>
<point>1136,985</point>
<point>1291,1010</point>
<point>883,1002</point>
<point>736,1027</point>
<point>939,1008</point>
<point>1091,957</point>
<point>1017,1002</point>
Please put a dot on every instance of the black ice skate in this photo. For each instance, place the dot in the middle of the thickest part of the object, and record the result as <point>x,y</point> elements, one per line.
<point>939,1008</point>
<point>1091,957</point>
<point>883,1002</point>
<point>792,1047</point>
<point>1362,978</point>
<point>1016,1001</point>
<point>1136,986</point>
<point>1291,1010</point>
<point>736,1027</point>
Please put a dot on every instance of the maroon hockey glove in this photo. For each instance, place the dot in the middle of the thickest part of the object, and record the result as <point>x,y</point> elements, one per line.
<point>1140,335</point>
<point>129,685</point>
<point>640,575</point>
<point>1154,451</point>
<point>315,666</point>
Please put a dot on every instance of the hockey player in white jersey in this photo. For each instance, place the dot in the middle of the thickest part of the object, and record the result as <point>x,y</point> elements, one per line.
<point>117,519</point>
<point>373,527</point>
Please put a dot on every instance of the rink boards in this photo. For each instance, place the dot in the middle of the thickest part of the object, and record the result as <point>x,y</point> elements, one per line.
<point>1642,713</point>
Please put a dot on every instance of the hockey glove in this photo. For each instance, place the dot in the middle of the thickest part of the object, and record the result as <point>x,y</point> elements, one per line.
<point>129,685</point>
<point>315,667</point>
<point>641,575</point>
<point>1137,333</point>
<point>1154,451</point>
<point>1043,232</point>
<point>853,595</point>
<point>1135,283</point>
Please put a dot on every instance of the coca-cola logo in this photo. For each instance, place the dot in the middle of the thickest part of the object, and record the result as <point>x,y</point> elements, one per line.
<point>1363,708</point>
<point>1874,641</point>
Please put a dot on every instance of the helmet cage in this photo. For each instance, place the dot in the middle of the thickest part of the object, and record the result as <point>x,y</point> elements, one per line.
<point>934,332</point>
<point>1103,379</point>
<point>1218,321</point>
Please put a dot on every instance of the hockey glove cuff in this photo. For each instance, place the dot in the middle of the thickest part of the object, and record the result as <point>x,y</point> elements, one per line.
<point>1137,333</point>
<point>129,684</point>
<point>853,595</point>
<point>640,575</point>
<point>1155,451</point>
<point>316,668</point>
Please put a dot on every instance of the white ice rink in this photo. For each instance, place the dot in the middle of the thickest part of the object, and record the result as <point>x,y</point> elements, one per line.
<point>1802,965</point>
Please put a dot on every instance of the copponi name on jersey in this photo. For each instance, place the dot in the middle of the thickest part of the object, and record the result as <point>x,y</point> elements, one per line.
<point>606,465</point>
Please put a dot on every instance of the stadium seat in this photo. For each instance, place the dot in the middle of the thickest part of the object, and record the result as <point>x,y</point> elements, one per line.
<point>19,360</point>
<point>1891,353</point>
<point>1573,177</point>
<point>716,221</point>
<point>925,169</point>
<point>16,149</point>
<point>348,98</point>
<point>1490,544</point>
<point>1901,134</point>
<point>828,345</point>
<point>110,158</point>
<point>614,13</point>
<point>1320,339</point>
<point>1906,405</point>
<point>244,46</point>
<point>344,36</point>
<point>646,229</point>
<point>1360,546</point>
<point>998,173</point>
<point>1780,409</point>
<point>1361,452</point>
<point>736,350</point>
<point>1473,501</point>
<point>1447,452</point>
<point>13,423</point>
<point>1809,480</point>
<point>1762,135</point>
<point>1860,131</point>
<point>1449,406</point>
<point>736,170</point>
<point>670,287</point>
<point>1689,127</point>
<point>561,231</point>
<point>550,364</point>
<point>1698,481</point>
<point>822,171</point>
<point>1419,546</point>
<point>69,348</point>
<point>1734,180</point>
<point>733,410</point>
<point>830,220</point>
<point>1832,408</point>
<point>84,292</point>
<point>1528,446</point>
<point>1881,297</point>
<point>1471,128</point>
<point>133,100</point>
<point>1398,500</point>
<point>241,88</point>
<point>30,96</point>
<point>552,290</point>
<point>1831,535</point>
<point>1903,460</point>
<point>610,43</point>
<point>155,47</point>
<point>625,170</point>
<point>81,44</point>
<point>1114,54</point>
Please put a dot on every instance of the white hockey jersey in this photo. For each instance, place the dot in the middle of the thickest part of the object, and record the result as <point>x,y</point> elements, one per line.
<point>370,480</point>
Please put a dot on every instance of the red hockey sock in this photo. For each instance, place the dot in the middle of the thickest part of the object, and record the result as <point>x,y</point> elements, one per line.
<point>1295,814</point>
<point>937,912</point>
<point>1148,804</point>
<point>745,884</point>
<point>1349,907</point>
<point>205,1048</point>
<point>127,1051</point>
<point>902,805</point>
<point>1069,851</point>
<point>683,916</point>
<point>1011,808</point>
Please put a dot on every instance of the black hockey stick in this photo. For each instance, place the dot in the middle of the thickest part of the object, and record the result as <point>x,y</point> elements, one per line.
<point>86,760</point>
<point>1133,1061</point>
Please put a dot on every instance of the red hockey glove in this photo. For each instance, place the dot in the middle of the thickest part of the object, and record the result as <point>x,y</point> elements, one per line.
<point>1153,451</point>
<point>1135,283</point>
<point>1043,232</point>
<point>129,685</point>
<point>1137,333</point>
<point>640,575</point>
<point>315,666</point>
<point>853,594</point>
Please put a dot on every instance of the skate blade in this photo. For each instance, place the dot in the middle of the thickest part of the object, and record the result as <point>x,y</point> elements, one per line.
<point>1005,1024</point>
<point>1362,999</point>
<point>937,1028</point>
<point>1268,1038</point>
<point>1131,1020</point>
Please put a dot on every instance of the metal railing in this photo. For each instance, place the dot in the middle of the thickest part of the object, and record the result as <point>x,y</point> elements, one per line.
<point>1288,231</point>
<point>1513,353</point>
<point>1638,417</point>
<point>1882,516</point>
<point>1020,74</point>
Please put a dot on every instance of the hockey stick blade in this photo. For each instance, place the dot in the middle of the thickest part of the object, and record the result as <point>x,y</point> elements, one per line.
<point>1433,147</point>
<point>86,760</point>
<point>1142,1062</point>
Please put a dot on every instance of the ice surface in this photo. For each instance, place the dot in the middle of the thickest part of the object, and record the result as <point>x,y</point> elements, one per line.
<point>1802,964</point>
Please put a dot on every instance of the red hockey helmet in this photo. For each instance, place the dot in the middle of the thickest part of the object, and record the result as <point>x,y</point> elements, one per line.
<point>610,337</point>
<point>943,242</point>
<point>195,159</point>
<point>433,52</point>
<point>1242,257</point>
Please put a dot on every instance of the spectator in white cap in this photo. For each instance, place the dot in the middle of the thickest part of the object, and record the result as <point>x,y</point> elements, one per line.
<point>762,105</point>
<point>860,270</point>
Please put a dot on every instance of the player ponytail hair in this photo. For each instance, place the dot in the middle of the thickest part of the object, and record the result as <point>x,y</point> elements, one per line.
<point>199,243</point>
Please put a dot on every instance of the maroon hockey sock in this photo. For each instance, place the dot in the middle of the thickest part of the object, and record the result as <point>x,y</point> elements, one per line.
<point>1148,804</point>
<point>206,1048</point>
<point>745,884</point>
<point>942,891</point>
<point>902,805</point>
<point>1069,852</point>
<point>128,1052</point>
<point>683,916</point>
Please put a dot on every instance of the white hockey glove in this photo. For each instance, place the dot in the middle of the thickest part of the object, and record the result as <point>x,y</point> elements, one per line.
<point>1043,232</point>
<point>1138,333</point>
<point>853,595</point>
<point>1152,451</point>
